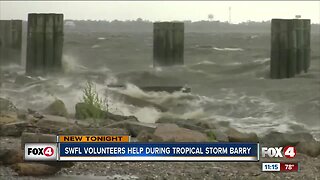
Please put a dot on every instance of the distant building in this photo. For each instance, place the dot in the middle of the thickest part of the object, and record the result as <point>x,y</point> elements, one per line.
<point>69,24</point>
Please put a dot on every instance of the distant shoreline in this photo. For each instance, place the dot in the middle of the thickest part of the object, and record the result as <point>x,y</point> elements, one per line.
<point>145,26</point>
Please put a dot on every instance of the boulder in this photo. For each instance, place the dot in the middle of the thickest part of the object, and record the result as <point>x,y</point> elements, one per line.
<point>285,139</point>
<point>310,148</point>
<point>7,118</point>
<point>57,108</point>
<point>23,114</point>
<point>185,123</point>
<point>134,128</point>
<point>6,105</point>
<point>77,130</point>
<point>34,169</point>
<point>10,156</point>
<point>116,117</point>
<point>27,137</point>
<point>145,136</point>
<point>136,101</point>
<point>99,122</point>
<point>14,129</point>
<point>84,111</point>
<point>174,133</point>
<point>22,80</point>
<point>50,124</point>
<point>236,136</point>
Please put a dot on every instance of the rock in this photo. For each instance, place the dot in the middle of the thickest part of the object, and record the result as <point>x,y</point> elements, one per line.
<point>134,128</point>
<point>10,156</point>
<point>99,122</point>
<point>57,108</point>
<point>7,118</point>
<point>14,129</point>
<point>22,114</point>
<point>136,101</point>
<point>236,136</point>
<point>185,123</point>
<point>285,139</point>
<point>84,111</point>
<point>116,117</point>
<point>174,133</point>
<point>76,130</point>
<point>50,124</point>
<point>145,136</point>
<point>34,169</point>
<point>6,105</point>
<point>27,137</point>
<point>22,80</point>
<point>218,135</point>
<point>310,148</point>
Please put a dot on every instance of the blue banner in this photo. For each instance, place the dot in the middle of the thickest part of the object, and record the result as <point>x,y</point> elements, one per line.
<point>159,151</point>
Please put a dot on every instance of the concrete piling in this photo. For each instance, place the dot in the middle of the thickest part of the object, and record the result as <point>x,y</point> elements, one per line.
<point>290,47</point>
<point>10,41</point>
<point>44,43</point>
<point>168,43</point>
<point>275,48</point>
<point>306,45</point>
<point>292,50</point>
<point>298,26</point>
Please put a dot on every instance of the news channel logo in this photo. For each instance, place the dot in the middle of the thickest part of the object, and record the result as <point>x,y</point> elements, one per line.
<point>40,151</point>
<point>279,152</point>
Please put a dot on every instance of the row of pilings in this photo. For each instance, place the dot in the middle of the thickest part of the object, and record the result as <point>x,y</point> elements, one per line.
<point>290,44</point>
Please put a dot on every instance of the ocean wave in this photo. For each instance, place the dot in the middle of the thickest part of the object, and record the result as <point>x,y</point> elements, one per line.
<point>228,49</point>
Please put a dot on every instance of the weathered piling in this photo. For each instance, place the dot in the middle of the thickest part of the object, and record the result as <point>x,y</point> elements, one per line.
<point>275,48</point>
<point>10,41</point>
<point>168,43</point>
<point>292,50</point>
<point>298,26</point>
<point>290,47</point>
<point>44,43</point>
<point>306,45</point>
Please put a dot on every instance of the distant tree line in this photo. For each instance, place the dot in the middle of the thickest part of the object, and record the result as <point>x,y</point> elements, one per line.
<point>144,26</point>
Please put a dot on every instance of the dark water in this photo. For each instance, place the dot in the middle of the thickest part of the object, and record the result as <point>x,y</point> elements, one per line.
<point>229,83</point>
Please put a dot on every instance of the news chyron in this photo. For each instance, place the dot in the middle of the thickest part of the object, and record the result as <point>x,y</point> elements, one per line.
<point>40,152</point>
<point>285,153</point>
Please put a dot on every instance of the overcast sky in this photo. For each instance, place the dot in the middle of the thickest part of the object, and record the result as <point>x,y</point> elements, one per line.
<point>165,10</point>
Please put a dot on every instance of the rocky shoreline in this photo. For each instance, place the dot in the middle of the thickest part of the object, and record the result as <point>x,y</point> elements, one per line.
<point>20,126</point>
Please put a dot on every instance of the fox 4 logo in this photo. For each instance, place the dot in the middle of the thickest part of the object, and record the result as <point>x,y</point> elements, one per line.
<point>279,152</point>
<point>47,151</point>
<point>40,151</point>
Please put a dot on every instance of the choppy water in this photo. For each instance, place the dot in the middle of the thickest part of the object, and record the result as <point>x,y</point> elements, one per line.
<point>236,91</point>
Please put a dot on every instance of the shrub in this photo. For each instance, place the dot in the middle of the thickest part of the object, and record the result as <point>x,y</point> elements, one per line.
<point>211,136</point>
<point>95,105</point>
